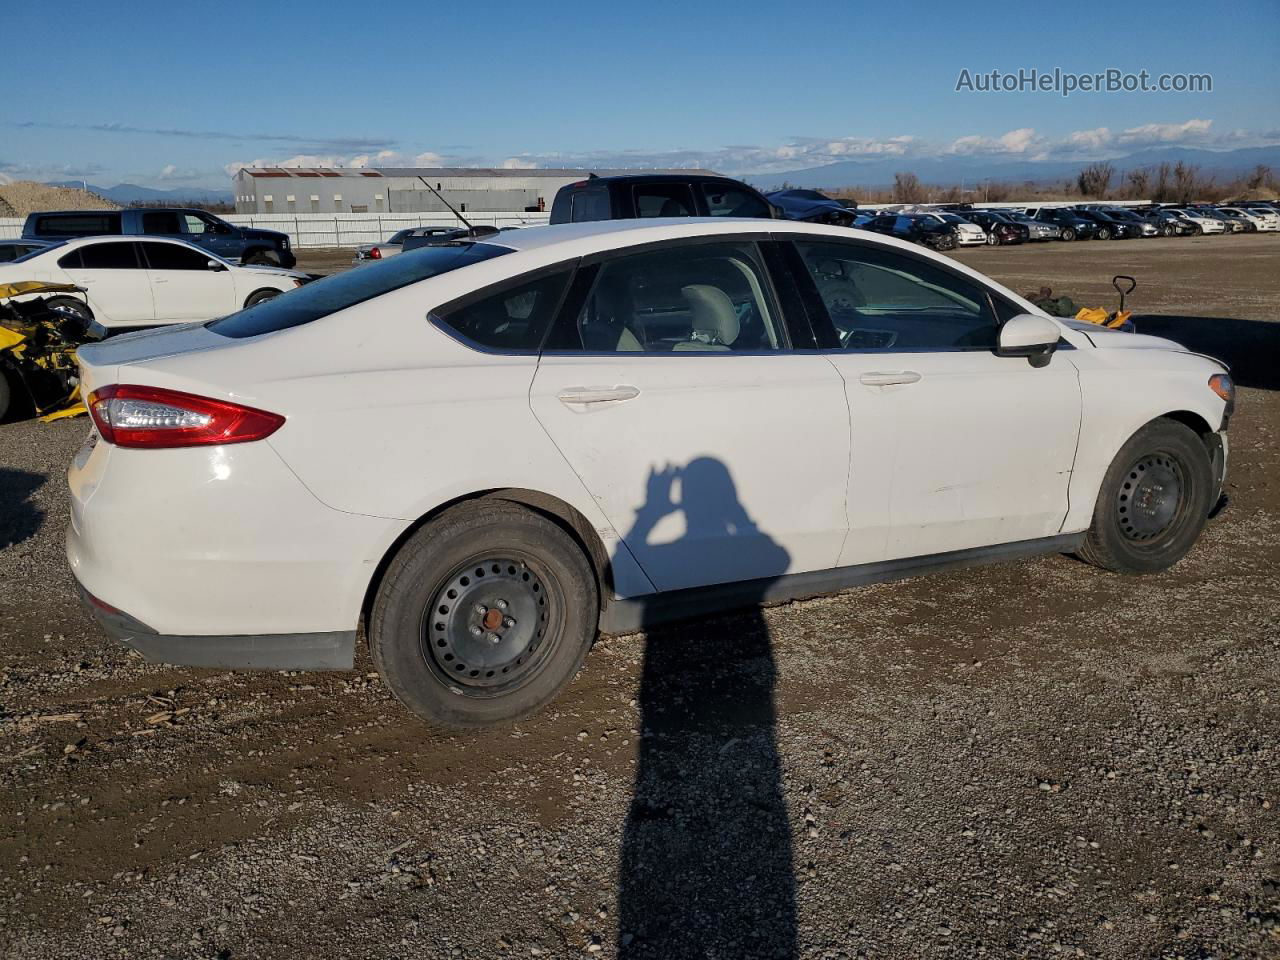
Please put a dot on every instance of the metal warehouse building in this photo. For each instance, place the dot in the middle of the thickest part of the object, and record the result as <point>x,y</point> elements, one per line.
<point>398,189</point>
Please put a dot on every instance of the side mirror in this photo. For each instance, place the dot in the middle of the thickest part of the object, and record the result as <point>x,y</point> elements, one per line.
<point>215,266</point>
<point>1030,336</point>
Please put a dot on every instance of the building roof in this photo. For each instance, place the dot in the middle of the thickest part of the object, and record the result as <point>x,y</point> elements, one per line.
<point>559,173</point>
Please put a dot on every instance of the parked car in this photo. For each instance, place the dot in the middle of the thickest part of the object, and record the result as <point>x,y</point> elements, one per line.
<point>811,206</point>
<point>438,235</point>
<point>999,228</point>
<point>132,283</point>
<point>915,228</point>
<point>967,234</point>
<point>1071,226</point>
<point>1247,224</point>
<point>1036,229</point>
<point>557,431</point>
<point>1143,226</point>
<point>249,245</point>
<point>11,250</point>
<point>1230,224</point>
<point>1109,227</point>
<point>1166,223</point>
<point>372,252</point>
<point>658,195</point>
<point>1265,220</point>
<point>1200,223</point>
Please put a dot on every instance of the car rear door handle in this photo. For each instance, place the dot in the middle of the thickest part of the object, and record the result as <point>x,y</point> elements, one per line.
<point>586,396</point>
<point>887,378</point>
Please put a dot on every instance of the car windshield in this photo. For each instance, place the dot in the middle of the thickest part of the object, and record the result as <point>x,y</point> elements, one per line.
<point>952,218</point>
<point>337,292</point>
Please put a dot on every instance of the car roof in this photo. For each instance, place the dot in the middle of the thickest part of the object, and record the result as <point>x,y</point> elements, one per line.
<point>655,178</point>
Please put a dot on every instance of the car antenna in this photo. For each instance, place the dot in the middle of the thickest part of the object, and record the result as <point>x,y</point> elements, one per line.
<point>440,197</point>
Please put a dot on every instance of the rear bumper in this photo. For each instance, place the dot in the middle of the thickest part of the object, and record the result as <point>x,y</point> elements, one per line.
<point>287,651</point>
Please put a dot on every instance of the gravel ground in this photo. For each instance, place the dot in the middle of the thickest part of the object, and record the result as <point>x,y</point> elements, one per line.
<point>1035,759</point>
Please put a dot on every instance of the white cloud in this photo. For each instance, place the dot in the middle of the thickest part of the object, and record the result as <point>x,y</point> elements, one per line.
<point>1018,141</point>
<point>1192,131</point>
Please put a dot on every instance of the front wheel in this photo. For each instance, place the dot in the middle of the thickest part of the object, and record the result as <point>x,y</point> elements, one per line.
<point>1153,503</point>
<point>483,616</point>
<point>1068,234</point>
<point>992,240</point>
<point>262,258</point>
<point>1104,233</point>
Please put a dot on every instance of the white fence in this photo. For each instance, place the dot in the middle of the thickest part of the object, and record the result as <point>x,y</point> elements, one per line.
<point>341,229</point>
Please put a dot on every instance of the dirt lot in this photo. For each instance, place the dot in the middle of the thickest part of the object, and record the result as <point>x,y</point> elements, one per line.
<point>1037,759</point>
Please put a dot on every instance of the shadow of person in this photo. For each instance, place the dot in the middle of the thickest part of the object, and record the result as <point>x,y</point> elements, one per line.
<point>706,863</point>
<point>1251,348</point>
<point>19,517</point>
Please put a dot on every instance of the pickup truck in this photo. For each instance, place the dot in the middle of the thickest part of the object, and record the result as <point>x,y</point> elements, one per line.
<point>659,195</point>
<point>238,244</point>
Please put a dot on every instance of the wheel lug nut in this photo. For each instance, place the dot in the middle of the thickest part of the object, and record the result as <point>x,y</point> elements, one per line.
<point>502,604</point>
<point>494,638</point>
<point>481,609</point>
<point>509,622</point>
<point>476,631</point>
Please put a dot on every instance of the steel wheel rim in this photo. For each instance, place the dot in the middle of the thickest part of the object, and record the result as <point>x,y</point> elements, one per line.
<point>1151,498</point>
<point>488,627</point>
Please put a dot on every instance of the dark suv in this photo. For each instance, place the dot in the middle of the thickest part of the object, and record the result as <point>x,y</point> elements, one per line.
<point>658,195</point>
<point>1072,225</point>
<point>926,231</point>
<point>999,228</point>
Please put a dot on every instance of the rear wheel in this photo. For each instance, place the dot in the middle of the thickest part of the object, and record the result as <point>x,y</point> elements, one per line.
<point>484,615</point>
<point>6,392</point>
<point>1153,503</point>
<point>260,296</point>
<point>1068,234</point>
<point>71,305</point>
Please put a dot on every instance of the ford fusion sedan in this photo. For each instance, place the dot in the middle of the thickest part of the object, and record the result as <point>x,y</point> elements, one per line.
<point>486,452</point>
<point>146,282</point>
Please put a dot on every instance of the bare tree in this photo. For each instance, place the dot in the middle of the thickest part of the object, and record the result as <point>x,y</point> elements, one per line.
<point>1260,179</point>
<point>1139,183</point>
<point>1095,179</point>
<point>1161,189</point>
<point>907,188</point>
<point>1189,184</point>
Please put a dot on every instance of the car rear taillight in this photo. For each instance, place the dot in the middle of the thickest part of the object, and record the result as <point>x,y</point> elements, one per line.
<point>375,254</point>
<point>134,416</point>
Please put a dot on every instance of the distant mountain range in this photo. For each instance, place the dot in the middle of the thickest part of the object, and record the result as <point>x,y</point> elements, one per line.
<point>127,193</point>
<point>971,169</point>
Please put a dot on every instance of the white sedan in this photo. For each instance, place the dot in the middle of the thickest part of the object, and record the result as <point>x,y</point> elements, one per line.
<point>1202,223</point>
<point>142,282</point>
<point>967,234</point>
<point>487,451</point>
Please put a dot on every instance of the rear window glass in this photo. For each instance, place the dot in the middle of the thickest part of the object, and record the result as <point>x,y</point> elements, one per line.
<point>323,297</point>
<point>590,205</point>
<point>78,225</point>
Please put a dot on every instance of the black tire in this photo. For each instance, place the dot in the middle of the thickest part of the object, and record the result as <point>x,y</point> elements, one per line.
<point>992,240</point>
<point>539,599</point>
<point>1068,234</point>
<point>71,304</point>
<point>6,392</point>
<point>1197,230</point>
<point>262,258</point>
<point>260,296</point>
<point>1154,501</point>
<point>1104,233</point>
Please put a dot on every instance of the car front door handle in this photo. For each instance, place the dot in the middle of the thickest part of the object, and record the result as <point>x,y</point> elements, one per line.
<point>590,396</point>
<point>888,378</point>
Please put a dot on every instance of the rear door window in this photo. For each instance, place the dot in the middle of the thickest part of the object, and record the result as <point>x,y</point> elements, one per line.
<point>589,205</point>
<point>731,201</point>
<point>664,200</point>
<point>161,222</point>
<point>512,319</point>
<point>120,255</point>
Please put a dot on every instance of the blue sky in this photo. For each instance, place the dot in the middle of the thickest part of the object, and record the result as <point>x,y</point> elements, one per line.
<point>176,93</point>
